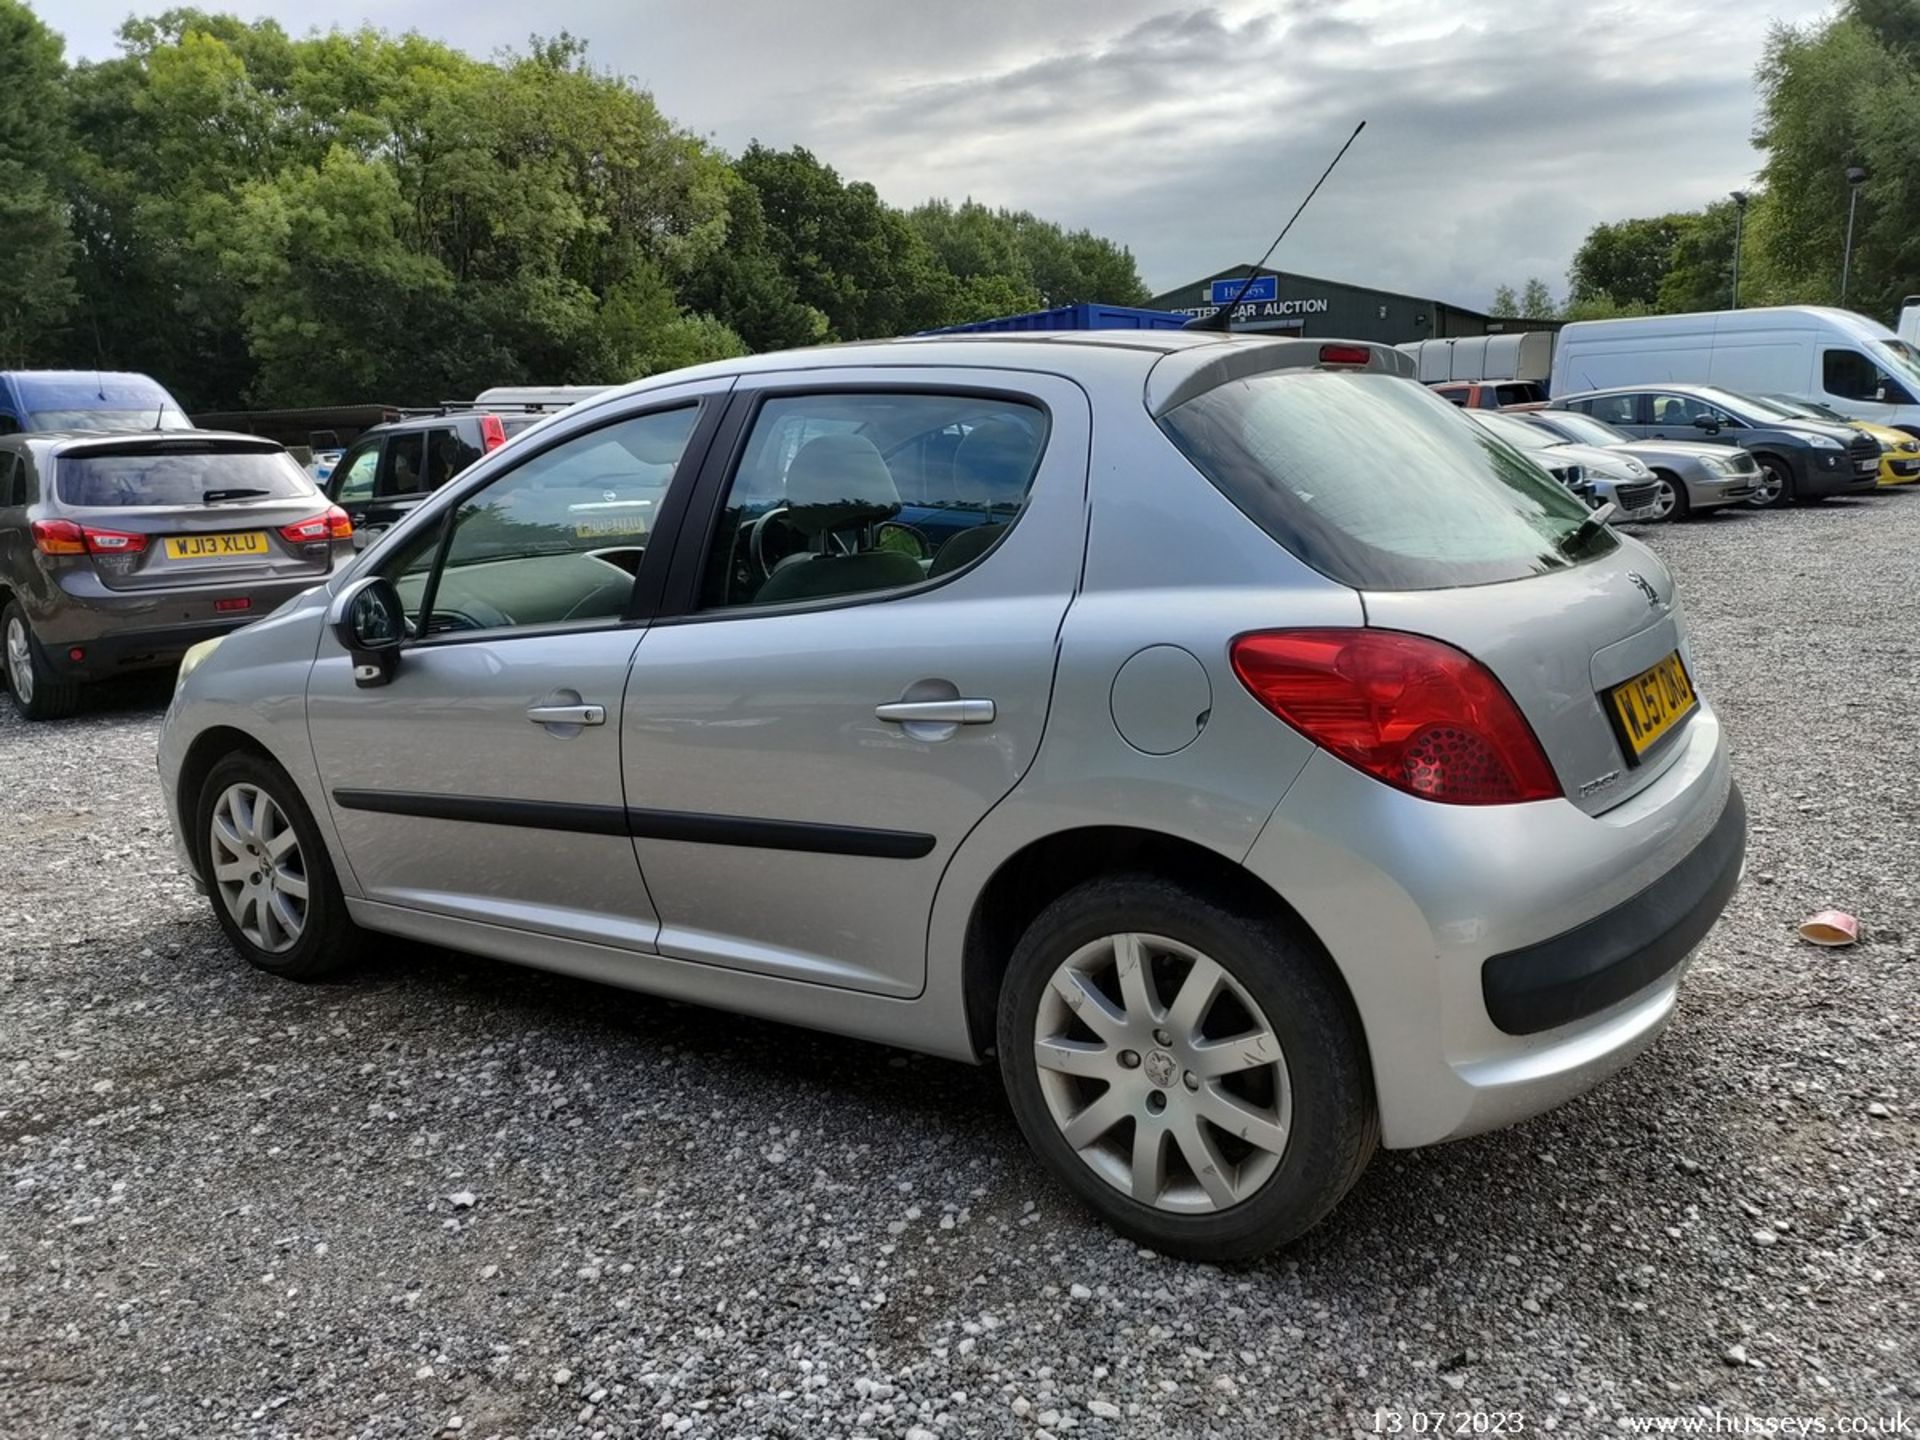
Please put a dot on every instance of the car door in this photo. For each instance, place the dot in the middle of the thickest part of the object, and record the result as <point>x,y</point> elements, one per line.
<point>839,699</point>
<point>482,781</point>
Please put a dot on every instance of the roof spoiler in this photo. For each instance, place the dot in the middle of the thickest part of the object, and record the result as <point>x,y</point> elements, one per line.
<point>1180,375</point>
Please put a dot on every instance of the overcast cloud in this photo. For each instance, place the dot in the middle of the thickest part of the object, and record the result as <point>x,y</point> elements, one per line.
<point>1498,131</point>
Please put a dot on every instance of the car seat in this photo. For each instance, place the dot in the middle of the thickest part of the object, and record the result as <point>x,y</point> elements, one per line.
<point>835,483</point>
<point>990,470</point>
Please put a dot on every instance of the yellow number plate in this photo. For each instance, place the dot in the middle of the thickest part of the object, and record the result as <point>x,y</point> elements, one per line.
<point>1652,703</point>
<point>600,525</point>
<point>217,547</point>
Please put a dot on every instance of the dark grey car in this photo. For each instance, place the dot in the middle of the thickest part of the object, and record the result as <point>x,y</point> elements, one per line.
<point>118,552</point>
<point>1799,459</point>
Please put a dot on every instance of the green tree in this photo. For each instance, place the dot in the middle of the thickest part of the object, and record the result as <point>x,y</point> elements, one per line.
<point>1536,300</point>
<point>1035,256</point>
<point>1505,302</point>
<point>37,290</point>
<point>1623,262</point>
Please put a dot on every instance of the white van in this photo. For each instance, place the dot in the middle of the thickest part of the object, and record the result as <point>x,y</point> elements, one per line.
<point>1833,357</point>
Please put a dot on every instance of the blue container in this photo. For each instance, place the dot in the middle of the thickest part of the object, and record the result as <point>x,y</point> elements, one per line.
<point>1074,317</point>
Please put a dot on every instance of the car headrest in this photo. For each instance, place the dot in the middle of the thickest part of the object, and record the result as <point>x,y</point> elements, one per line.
<point>836,481</point>
<point>990,465</point>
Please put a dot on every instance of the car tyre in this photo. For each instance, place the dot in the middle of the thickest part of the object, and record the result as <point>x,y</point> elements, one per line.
<point>268,875</point>
<point>1672,504</point>
<point>1776,484</point>
<point>36,691</point>
<point>1099,984</point>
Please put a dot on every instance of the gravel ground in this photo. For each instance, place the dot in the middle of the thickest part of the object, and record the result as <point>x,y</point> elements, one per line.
<point>454,1197</point>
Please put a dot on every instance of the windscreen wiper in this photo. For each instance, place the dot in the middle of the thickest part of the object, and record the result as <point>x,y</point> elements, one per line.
<point>1570,543</point>
<point>214,497</point>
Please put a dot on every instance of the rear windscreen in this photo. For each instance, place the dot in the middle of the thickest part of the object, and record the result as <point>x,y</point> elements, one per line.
<point>152,476</point>
<point>1378,483</point>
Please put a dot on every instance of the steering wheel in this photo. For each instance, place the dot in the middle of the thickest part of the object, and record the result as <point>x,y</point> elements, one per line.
<point>757,543</point>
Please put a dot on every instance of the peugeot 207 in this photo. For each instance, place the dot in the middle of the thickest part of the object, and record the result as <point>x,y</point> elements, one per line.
<point>1260,761</point>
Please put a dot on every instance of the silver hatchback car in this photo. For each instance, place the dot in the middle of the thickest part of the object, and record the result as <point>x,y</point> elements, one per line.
<point>1258,759</point>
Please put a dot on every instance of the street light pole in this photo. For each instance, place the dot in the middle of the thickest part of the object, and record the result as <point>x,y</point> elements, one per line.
<point>1739,221</point>
<point>1856,176</point>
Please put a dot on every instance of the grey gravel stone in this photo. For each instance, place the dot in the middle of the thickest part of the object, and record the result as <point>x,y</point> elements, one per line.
<point>636,1252</point>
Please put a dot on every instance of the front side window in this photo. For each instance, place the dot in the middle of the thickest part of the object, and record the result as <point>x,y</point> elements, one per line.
<point>1680,412</point>
<point>851,494</point>
<point>1378,484</point>
<point>557,540</point>
<point>1852,376</point>
<point>352,478</point>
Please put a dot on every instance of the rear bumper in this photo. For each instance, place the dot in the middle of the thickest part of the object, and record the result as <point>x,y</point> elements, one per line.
<point>1594,966</point>
<point>1414,900</point>
<point>122,631</point>
<point>122,652</point>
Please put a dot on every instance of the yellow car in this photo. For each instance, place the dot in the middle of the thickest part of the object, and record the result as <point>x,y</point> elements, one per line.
<point>1899,451</point>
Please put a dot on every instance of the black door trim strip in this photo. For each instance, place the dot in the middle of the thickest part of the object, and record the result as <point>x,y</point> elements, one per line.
<point>742,830</point>
<point>482,810</point>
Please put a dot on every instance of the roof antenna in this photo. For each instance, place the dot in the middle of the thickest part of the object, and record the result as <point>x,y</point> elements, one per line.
<point>1222,319</point>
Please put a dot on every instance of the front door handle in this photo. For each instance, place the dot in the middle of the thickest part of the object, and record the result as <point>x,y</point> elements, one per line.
<point>936,712</point>
<point>567,714</point>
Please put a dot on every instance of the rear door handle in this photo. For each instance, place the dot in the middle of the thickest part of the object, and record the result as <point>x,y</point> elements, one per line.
<point>936,712</point>
<point>567,714</point>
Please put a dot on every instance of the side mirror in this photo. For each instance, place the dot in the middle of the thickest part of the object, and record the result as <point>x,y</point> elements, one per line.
<point>1706,423</point>
<point>370,622</point>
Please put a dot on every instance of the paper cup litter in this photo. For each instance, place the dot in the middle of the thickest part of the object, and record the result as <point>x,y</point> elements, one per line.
<point>1830,927</point>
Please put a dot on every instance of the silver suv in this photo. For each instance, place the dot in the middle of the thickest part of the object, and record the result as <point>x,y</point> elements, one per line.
<point>1256,757</point>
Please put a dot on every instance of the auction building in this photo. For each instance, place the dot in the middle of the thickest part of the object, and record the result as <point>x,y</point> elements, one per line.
<point>1278,303</point>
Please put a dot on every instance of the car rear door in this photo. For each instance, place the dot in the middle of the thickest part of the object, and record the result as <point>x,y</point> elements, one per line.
<point>810,737</point>
<point>482,783</point>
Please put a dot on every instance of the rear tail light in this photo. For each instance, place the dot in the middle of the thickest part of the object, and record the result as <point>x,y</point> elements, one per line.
<point>59,537</point>
<point>1345,355</point>
<point>333,524</point>
<point>63,537</point>
<point>1417,714</point>
<point>492,433</point>
<point>113,542</point>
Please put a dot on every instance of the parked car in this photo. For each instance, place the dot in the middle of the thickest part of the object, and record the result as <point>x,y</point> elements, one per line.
<point>1834,357</point>
<point>1491,394</point>
<point>1799,459</point>
<point>1595,474</point>
<point>1692,476</point>
<point>1899,451</point>
<point>85,400</point>
<point>1213,788</point>
<point>393,467</point>
<point>120,552</point>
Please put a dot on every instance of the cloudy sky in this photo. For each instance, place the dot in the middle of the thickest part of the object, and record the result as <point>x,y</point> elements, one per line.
<point>1498,130</point>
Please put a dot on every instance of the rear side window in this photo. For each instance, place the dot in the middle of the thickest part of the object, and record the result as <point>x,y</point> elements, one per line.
<point>1614,409</point>
<point>1377,483</point>
<point>447,455</point>
<point>124,478</point>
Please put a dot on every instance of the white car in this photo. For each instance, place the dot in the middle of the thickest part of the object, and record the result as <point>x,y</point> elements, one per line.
<point>1594,474</point>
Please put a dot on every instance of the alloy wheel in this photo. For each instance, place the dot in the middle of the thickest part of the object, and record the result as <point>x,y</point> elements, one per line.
<point>20,659</point>
<point>1767,489</point>
<point>1665,501</point>
<point>1162,1073</point>
<point>258,868</point>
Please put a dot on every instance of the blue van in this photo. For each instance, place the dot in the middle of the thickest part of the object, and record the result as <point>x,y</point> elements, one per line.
<point>85,400</point>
